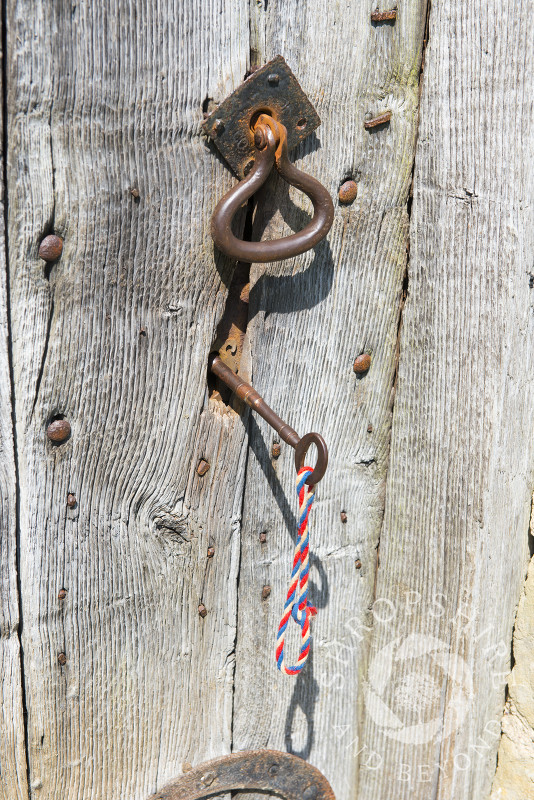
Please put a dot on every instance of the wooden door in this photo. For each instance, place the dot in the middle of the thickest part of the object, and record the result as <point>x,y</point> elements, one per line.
<point>112,681</point>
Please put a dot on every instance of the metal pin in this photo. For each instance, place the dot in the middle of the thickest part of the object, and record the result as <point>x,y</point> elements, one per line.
<point>251,397</point>
<point>381,120</point>
<point>383,16</point>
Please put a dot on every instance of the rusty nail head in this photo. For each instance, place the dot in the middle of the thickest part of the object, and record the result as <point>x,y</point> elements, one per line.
<point>274,79</point>
<point>62,659</point>
<point>348,192</point>
<point>202,610</point>
<point>59,430</point>
<point>383,16</point>
<point>50,248</point>
<point>265,592</point>
<point>362,363</point>
<point>218,127</point>
<point>71,500</point>
<point>208,778</point>
<point>358,564</point>
<point>276,450</point>
<point>134,191</point>
<point>343,516</point>
<point>62,594</point>
<point>211,552</point>
<point>263,537</point>
<point>310,793</point>
<point>380,120</point>
<point>203,467</point>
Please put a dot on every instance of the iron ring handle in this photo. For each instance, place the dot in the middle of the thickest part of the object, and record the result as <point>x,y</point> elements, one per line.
<point>271,151</point>
<point>302,448</point>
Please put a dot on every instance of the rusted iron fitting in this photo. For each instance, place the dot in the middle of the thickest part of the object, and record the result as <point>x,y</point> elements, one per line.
<point>266,771</point>
<point>270,141</point>
<point>51,248</point>
<point>59,431</point>
<point>384,16</point>
<point>255,401</point>
<point>382,119</point>
<point>347,192</point>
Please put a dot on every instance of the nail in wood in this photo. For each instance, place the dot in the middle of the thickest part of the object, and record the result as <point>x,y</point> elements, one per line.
<point>383,16</point>
<point>381,120</point>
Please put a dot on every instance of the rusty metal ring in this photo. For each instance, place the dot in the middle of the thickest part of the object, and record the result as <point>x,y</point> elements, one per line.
<point>271,151</point>
<point>281,774</point>
<point>322,456</point>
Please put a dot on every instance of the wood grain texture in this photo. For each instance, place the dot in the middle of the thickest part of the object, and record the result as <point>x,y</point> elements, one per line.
<point>13,768</point>
<point>108,97</point>
<point>310,318</point>
<point>454,544</point>
<point>103,98</point>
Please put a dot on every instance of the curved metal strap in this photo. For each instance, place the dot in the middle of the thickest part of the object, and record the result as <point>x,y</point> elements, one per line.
<point>269,152</point>
<point>280,774</point>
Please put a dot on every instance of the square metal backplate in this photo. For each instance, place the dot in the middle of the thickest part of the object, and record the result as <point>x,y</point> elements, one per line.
<point>272,89</point>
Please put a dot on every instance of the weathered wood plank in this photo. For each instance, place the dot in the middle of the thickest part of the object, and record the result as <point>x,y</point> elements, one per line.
<point>13,770</point>
<point>309,319</point>
<point>115,336</point>
<point>454,544</point>
<point>103,97</point>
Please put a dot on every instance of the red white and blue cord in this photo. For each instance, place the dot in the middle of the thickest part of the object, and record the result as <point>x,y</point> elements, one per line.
<point>297,605</point>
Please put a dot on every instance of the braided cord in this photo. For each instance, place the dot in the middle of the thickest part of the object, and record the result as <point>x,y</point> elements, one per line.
<point>297,605</point>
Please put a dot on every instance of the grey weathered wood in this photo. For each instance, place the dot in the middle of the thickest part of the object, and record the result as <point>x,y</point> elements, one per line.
<point>309,319</point>
<point>13,770</point>
<point>106,97</point>
<point>460,477</point>
<point>102,98</point>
